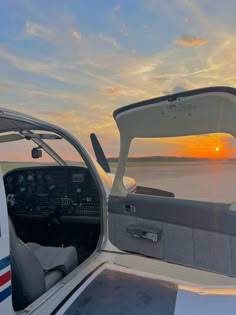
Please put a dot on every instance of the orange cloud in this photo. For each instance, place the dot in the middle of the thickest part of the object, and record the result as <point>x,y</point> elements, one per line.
<point>113,91</point>
<point>187,40</point>
<point>186,18</point>
<point>206,146</point>
<point>59,116</point>
<point>76,35</point>
<point>217,145</point>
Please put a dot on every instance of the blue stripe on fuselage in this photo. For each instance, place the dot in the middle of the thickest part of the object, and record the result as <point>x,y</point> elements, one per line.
<point>5,293</point>
<point>4,262</point>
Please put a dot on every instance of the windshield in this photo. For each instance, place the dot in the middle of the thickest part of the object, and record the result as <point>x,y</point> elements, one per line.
<point>199,167</point>
<point>50,149</point>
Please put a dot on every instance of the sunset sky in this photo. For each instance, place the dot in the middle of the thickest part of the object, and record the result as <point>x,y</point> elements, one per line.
<point>73,62</point>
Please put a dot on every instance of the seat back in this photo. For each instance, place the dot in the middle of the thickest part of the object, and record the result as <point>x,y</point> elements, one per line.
<point>28,280</point>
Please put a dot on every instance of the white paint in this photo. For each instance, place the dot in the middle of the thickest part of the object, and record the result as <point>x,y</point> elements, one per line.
<point>6,305</point>
<point>187,302</point>
<point>204,304</point>
<point>206,112</point>
<point>80,290</point>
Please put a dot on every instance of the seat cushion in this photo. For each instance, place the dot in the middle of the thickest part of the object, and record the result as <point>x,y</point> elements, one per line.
<point>55,258</point>
<point>52,277</point>
<point>28,277</point>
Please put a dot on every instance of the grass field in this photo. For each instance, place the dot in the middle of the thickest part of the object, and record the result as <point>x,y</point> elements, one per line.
<point>8,166</point>
<point>171,163</point>
<point>12,165</point>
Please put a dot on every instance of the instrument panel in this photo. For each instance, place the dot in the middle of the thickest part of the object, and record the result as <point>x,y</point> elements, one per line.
<point>52,191</point>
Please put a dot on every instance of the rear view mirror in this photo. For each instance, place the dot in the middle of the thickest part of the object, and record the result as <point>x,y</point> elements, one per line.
<point>36,153</point>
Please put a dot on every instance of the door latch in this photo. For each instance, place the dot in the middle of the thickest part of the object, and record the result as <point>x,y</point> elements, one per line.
<point>130,209</point>
<point>153,235</point>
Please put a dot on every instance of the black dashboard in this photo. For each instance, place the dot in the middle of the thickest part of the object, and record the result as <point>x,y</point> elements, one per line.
<point>64,192</point>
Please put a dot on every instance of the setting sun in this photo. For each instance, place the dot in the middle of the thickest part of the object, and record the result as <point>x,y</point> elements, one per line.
<point>217,149</point>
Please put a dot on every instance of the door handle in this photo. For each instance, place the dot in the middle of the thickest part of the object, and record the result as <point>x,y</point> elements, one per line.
<point>153,235</point>
<point>130,209</point>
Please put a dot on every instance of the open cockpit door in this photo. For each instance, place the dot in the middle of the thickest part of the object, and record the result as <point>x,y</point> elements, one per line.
<point>198,234</point>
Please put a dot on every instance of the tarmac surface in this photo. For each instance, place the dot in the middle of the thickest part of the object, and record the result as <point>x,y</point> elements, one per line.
<point>191,180</point>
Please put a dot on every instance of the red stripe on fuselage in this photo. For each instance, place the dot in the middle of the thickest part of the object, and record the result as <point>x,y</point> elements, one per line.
<point>5,277</point>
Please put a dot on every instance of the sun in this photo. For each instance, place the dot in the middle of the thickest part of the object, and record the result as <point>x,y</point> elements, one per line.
<point>217,149</point>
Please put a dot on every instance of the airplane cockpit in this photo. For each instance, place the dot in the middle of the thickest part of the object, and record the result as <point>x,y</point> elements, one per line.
<point>54,209</point>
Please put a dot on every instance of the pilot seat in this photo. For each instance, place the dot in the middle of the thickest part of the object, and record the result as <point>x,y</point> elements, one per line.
<point>35,268</point>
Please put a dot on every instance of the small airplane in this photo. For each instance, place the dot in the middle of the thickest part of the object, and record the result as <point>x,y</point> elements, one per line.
<point>77,239</point>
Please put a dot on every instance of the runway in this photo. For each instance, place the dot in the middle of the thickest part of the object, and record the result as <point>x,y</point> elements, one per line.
<point>191,180</point>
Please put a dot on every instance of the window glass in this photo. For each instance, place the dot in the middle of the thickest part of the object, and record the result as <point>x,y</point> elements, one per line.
<point>199,167</point>
<point>17,154</point>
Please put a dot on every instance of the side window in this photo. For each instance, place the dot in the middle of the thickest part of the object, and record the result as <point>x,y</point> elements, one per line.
<point>66,151</point>
<point>199,167</point>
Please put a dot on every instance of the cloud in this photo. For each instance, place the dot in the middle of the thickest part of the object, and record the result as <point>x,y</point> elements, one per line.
<point>186,18</point>
<point>187,40</point>
<point>76,35</point>
<point>113,91</point>
<point>45,68</point>
<point>143,66</point>
<point>204,145</point>
<point>53,114</point>
<point>116,7</point>
<point>70,117</point>
<point>37,30</point>
<point>109,40</point>
<point>93,73</point>
<point>133,51</point>
<point>100,68</point>
<point>124,30</point>
<point>159,79</point>
<point>68,97</point>
<point>146,27</point>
